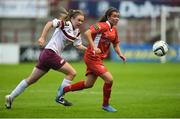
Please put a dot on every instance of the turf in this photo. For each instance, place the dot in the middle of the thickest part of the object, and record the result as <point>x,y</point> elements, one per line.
<point>139,90</point>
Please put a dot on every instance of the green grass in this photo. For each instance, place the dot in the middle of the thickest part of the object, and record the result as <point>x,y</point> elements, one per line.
<point>139,90</point>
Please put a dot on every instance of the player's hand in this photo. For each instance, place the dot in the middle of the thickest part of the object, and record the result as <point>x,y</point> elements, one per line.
<point>97,50</point>
<point>41,41</point>
<point>123,58</point>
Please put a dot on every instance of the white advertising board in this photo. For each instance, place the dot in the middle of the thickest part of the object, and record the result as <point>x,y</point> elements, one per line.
<point>23,8</point>
<point>9,53</point>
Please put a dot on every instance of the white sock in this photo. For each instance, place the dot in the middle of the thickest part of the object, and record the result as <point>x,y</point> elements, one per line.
<point>19,89</point>
<point>64,83</point>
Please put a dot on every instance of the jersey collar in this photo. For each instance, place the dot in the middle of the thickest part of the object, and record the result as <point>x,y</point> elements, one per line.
<point>109,25</point>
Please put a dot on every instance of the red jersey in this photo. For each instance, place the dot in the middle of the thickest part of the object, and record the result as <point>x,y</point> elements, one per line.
<point>103,35</point>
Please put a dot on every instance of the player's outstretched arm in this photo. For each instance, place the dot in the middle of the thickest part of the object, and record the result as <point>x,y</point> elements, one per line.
<point>54,23</point>
<point>118,51</point>
<point>81,47</point>
<point>44,33</point>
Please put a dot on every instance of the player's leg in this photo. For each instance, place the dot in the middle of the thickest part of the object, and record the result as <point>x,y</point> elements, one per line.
<point>50,59</point>
<point>75,87</point>
<point>100,70</point>
<point>108,81</point>
<point>83,84</point>
<point>35,75</point>
<point>70,73</point>
<point>88,83</point>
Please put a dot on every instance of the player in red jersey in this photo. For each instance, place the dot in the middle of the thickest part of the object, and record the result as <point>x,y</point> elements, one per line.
<point>100,36</point>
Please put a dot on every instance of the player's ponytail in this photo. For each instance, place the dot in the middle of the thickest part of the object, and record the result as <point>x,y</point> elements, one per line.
<point>108,14</point>
<point>73,14</point>
<point>67,15</point>
<point>63,13</point>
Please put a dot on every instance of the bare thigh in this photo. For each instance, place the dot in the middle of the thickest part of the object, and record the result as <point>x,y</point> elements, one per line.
<point>68,70</point>
<point>90,80</point>
<point>35,75</point>
<point>107,77</point>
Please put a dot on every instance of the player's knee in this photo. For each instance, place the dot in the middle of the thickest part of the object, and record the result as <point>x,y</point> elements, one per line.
<point>89,85</point>
<point>30,80</point>
<point>109,81</point>
<point>73,73</point>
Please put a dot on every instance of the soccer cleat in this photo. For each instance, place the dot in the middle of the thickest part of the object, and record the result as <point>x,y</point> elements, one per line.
<point>8,101</point>
<point>109,108</point>
<point>63,101</point>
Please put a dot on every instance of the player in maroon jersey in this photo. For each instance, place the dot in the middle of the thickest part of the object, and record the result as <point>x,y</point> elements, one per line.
<point>100,36</point>
<point>66,32</point>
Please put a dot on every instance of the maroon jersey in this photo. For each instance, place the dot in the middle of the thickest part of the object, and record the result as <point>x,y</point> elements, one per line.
<point>103,35</point>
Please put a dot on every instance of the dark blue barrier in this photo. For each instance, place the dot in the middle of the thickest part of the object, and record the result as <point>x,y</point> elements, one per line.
<point>127,8</point>
<point>31,53</point>
<point>174,53</point>
<point>144,53</point>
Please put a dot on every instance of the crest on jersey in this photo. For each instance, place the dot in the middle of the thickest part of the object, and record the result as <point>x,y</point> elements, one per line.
<point>96,26</point>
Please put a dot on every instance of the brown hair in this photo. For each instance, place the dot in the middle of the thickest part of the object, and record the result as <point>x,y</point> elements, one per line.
<point>108,14</point>
<point>67,15</point>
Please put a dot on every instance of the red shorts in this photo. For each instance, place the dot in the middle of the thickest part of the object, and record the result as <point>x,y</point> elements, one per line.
<point>49,59</point>
<point>94,67</point>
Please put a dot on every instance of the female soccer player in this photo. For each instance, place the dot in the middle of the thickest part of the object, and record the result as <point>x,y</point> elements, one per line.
<point>99,36</point>
<point>66,31</point>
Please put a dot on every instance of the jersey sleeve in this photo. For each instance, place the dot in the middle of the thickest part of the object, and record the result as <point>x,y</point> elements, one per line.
<point>78,40</point>
<point>58,23</point>
<point>98,28</point>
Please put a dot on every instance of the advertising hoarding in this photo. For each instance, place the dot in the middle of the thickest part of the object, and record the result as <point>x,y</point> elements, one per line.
<point>23,8</point>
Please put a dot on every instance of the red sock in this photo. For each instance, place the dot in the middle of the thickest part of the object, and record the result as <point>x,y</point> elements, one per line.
<point>106,93</point>
<point>75,87</point>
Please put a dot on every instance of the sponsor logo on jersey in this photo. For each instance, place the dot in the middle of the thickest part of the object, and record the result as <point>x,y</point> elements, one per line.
<point>96,26</point>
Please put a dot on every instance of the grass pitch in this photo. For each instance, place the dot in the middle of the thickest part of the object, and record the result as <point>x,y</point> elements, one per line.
<point>139,90</point>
